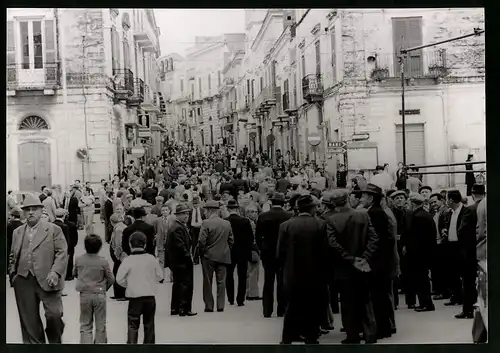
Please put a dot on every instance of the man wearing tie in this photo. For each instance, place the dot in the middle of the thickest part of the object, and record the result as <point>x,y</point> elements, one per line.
<point>196,217</point>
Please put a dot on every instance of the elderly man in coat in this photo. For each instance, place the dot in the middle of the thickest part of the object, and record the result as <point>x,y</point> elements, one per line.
<point>37,268</point>
<point>302,240</point>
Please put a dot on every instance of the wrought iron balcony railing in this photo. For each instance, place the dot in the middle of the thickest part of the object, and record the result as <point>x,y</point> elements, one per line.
<point>418,64</point>
<point>21,76</point>
<point>87,79</point>
<point>312,85</point>
<point>123,80</point>
<point>138,96</point>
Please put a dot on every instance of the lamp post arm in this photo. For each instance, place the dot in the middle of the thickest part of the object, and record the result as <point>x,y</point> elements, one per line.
<point>477,32</point>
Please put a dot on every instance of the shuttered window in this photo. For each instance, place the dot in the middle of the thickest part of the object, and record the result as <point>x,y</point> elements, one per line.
<point>50,42</point>
<point>318,58</point>
<point>126,55</point>
<point>303,63</point>
<point>415,144</point>
<point>261,83</point>
<point>115,49</point>
<point>407,33</point>
<point>334,56</point>
<point>11,53</point>
<point>25,44</point>
<point>199,85</point>
<point>253,90</point>
<point>37,44</point>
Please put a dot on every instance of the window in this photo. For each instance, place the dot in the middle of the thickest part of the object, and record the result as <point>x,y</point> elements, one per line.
<point>182,85</point>
<point>115,50</point>
<point>253,95</point>
<point>25,44</point>
<point>37,44</point>
<point>199,85</point>
<point>407,33</point>
<point>261,83</point>
<point>126,54</point>
<point>211,134</point>
<point>318,58</point>
<point>33,122</point>
<point>334,56</point>
<point>209,82</point>
<point>183,112</point>
<point>303,64</point>
<point>199,111</point>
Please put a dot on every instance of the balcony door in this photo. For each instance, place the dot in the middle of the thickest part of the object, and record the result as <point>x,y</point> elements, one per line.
<point>32,43</point>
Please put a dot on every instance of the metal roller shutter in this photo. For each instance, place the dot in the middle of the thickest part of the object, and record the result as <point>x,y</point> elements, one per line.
<point>415,144</point>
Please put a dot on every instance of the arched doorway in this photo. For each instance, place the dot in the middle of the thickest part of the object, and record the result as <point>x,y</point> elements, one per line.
<point>34,157</point>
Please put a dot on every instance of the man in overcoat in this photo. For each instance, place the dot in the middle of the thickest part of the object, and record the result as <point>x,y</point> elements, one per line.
<point>180,262</point>
<point>266,236</point>
<point>302,240</point>
<point>37,269</point>
<point>354,244</point>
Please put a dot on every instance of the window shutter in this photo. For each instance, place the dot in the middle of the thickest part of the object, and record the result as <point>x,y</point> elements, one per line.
<point>50,42</point>
<point>199,84</point>
<point>318,58</point>
<point>334,56</point>
<point>126,56</point>
<point>115,51</point>
<point>414,35</point>
<point>11,53</point>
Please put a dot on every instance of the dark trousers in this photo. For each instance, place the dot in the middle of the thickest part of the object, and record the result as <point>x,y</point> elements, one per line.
<point>195,234</point>
<point>272,273</point>
<point>93,310</point>
<point>71,256</point>
<point>28,295</point>
<point>439,271</point>
<point>453,271</point>
<point>241,270</point>
<point>145,307</point>
<point>333,292</point>
<point>357,309</point>
<point>383,306</point>
<point>117,289</point>
<point>419,284</point>
<point>182,289</point>
<point>210,267</point>
<point>469,274</point>
<point>395,291</point>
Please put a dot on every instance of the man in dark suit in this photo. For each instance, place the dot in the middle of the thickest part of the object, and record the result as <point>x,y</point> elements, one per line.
<point>196,217</point>
<point>180,262</point>
<point>454,257</point>
<point>215,242</point>
<point>241,253</point>
<point>60,214</point>
<point>14,222</point>
<point>354,244</point>
<point>467,242</point>
<point>139,225</point>
<point>149,193</point>
<point>418,245</point>
<point>266,236</point>
<point>302,251</point>
<point>241,184</point>
<point>384,261</point>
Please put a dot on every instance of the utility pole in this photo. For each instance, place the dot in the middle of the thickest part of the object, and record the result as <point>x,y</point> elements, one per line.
<point>402,58</point>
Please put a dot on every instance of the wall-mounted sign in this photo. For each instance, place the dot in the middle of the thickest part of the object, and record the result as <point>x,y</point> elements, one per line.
<point>314,139</point>
<point>336,147</point>
<point>360,137</point>
<point>410,112</point>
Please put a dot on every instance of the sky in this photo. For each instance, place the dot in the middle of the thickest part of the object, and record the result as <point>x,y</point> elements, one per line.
<point>179,27</point>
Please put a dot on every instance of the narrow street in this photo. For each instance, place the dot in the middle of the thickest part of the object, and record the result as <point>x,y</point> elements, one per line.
<point>236,325</point>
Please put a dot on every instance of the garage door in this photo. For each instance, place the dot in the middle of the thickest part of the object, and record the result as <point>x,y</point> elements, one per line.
<point>415,144</point>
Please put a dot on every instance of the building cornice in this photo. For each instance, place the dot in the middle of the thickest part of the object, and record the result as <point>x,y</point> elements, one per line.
<point>267,20</point>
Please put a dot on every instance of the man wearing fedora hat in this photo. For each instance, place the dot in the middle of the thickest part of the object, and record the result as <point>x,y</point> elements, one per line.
<point>241,253</point>
<point>180,261</point>
<point>303,255</point>
<point>266,237</point>
<point>384,261</point>
<point>37,268</point>
<point>354,244</point>
<point>215,242</point>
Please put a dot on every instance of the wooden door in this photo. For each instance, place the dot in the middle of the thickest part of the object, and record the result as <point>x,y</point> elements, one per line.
<point>34,166</point>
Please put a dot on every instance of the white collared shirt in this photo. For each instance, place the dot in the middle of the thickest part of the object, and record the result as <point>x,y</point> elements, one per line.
<point>453,232</point>
<point>196,218</point>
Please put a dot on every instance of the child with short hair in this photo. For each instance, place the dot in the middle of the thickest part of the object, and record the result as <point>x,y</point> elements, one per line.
<point>94,278</point>
<point>140,273</point>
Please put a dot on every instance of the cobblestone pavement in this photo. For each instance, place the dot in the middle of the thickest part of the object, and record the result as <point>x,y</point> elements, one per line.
<point>236,325</point>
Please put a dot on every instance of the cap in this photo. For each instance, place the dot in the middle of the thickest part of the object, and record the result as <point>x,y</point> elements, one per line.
<point>182,208</point>
<point>212,204</point>
<point>417,199</point>
<point>398,193</point>
<point>424,187</point>
<point>60,212</point>
<point>232,204</point>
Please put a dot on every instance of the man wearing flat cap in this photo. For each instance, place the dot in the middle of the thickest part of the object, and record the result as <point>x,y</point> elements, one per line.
<point>37,268</point>
<point>180,261</point>
<point>354,243</point>
<point>419,244</point>
<point>384,261</point>
<point>266,236</point>
<point>467,241</point>
<point>302,251</point>
<point>215,243</point>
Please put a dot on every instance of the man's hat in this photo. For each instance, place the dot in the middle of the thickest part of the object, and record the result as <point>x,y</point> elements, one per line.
<point>398,193</point>
<point>60,212</point>
<point>478,189</point>
<point>327,198</point>
<point>278,197</point>
<point>32,201</point>
<point>15,212</point>
<point>232,204</point>
<point>306,201</point>
<point>212,204</point>
<point>339,197</point>
<point>424,187</point>
<point>417,199</point>
<point>182,208</point>
<point>372,189</point>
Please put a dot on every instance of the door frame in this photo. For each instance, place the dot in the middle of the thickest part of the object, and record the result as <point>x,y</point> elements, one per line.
<point>49,162</point>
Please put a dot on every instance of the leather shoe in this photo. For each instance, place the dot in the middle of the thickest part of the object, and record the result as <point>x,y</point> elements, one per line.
<point>440,297</point>
<point>241,304</point>
<point>422,309</point>
<point>209,310</point>
<point>174,312</point>
<point>411,306</point>
<point>189,313</point>
<point>463,315</point>
<point>220,310</point>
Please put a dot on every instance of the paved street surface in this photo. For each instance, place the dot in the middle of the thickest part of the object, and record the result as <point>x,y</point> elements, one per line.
<point>236,325</point>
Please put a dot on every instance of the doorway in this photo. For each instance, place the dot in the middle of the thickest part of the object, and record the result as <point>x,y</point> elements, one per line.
<point>34,166</point>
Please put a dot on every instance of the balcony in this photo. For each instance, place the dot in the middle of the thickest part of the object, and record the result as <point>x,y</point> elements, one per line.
<point>286,101</point>
<point>150,103</point>
<point>265,99</point>
<point>146,38</point>
<point>87,79</point>
<point>138,96</point>
<point>124,83</point>
<point>430,64</point>
<point>46,79</point>
<point>312,88</point>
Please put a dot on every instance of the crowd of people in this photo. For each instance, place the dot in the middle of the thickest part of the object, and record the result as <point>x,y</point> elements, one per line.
<point>329,246</point>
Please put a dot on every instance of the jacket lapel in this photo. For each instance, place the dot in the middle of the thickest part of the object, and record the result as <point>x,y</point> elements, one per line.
<point>19,239</point>
<point>40,235</point>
